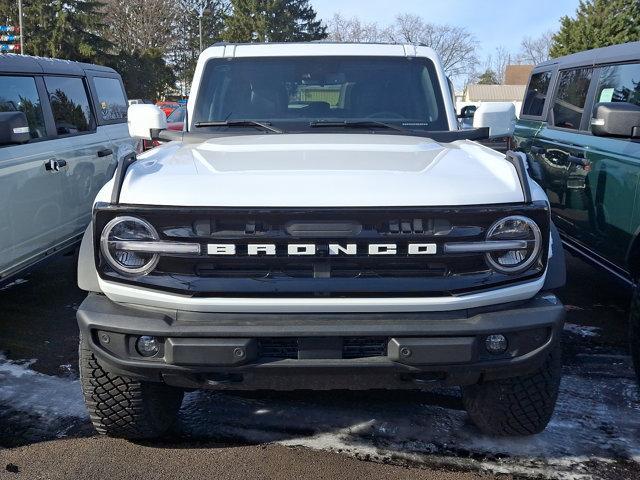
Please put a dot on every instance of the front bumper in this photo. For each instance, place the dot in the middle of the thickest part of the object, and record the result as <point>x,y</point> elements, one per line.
<point>227,350</point>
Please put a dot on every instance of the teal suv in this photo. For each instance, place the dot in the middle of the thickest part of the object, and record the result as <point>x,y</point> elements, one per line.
<point>580,129</point>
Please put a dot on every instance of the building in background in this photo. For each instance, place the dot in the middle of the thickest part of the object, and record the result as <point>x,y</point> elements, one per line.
<point>513,90</point>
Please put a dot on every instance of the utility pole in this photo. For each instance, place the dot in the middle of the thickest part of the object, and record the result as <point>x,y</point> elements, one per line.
<point>200,25</point>
<point>20,26</point>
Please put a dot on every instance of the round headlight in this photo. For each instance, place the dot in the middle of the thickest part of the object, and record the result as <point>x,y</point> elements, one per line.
<point>517,228</point>
<point>117,234</point>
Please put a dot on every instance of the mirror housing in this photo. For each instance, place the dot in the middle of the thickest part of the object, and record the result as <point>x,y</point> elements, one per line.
<point>14,128</point>
<point>468,111</point>
<point>145,121</point>
<point>616,119</point>
<point>500,117</point>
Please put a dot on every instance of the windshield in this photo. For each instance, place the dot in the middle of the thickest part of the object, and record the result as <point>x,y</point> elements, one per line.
<point>294,92</point>
<point>177,115</point>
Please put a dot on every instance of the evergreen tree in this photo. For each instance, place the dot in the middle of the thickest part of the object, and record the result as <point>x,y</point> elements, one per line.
<point>184,52</point>
<point>144,74</point>
<point>598,23</point>
<point>69,29</point>
<point>489,77</point>
<point>273,21</point>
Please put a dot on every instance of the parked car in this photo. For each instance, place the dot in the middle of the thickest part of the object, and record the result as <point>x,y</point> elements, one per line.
<point>167,107</point>
<point>61,124</point>
<point>321,224</point>
<point>138,101</point>
<point>580,127</point>
<point>175,121</point>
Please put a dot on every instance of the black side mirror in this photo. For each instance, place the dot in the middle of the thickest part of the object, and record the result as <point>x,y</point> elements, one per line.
<point>468,111</point>
<point>616,119</point>
<point>14,128</point>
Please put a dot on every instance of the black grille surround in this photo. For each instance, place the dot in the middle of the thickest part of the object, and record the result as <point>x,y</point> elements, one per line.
<point>323,275</point>
<point>351,347</point>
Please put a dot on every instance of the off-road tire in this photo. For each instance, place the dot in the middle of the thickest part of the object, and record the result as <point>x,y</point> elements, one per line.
<point>634,330</point>
<point>516,406</point>
<point>123,407</point>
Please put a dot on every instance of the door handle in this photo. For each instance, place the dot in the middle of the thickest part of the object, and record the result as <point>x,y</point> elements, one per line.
<point>105,152</point>
<point>53,165</point>
<point>538,150</point>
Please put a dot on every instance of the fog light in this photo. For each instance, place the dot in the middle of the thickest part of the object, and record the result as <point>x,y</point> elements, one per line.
<point>147,346</point>
<point>496,344</point>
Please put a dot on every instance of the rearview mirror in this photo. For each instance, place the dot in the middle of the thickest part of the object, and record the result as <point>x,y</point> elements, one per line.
<point>500,117</point>
<point>14,128</point>
<point>616,119</point>
<point>145,121</point>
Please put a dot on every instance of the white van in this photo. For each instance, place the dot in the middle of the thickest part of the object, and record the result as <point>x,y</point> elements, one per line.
<point>62,125</point>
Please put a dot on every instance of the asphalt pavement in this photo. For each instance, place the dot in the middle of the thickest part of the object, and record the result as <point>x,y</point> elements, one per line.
<point>45,432</point>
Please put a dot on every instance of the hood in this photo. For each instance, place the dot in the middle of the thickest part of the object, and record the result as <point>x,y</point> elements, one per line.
<point>321,170</point>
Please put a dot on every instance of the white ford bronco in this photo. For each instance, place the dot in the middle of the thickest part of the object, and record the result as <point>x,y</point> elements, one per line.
<point>321,223</point>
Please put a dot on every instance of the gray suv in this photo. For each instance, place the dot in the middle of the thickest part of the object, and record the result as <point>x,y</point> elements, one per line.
<point>61,126</point>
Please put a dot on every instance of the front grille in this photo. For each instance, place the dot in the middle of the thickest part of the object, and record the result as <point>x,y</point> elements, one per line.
<point>352,347</point>
<point>361,347</point>
<point>323,274</point>
<point>278,348</point>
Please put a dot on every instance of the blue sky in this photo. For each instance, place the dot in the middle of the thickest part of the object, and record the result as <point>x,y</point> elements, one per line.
<point>494,23</point>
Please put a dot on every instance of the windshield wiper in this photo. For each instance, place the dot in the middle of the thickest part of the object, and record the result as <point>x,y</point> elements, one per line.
<point>358,124</point>
<point>240,123</point>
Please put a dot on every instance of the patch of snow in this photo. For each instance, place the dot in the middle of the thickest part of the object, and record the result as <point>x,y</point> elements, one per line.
<point>596,420</point>
<point>17,281</point>
<point>570,308</point>
<point>584,331</point>
<point>23,389</point>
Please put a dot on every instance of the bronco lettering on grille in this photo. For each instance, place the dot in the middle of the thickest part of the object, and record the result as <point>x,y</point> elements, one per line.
<point>298,249</point>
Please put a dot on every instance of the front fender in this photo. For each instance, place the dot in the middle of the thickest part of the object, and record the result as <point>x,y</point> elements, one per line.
<point>87,274</point>
<point>556,267</point>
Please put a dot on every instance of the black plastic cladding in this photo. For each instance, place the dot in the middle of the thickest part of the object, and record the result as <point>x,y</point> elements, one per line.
<point>393,275</point>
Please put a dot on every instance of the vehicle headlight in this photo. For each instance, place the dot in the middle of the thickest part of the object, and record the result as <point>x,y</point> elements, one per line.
<point>509,229</point>
<point>116,241</point>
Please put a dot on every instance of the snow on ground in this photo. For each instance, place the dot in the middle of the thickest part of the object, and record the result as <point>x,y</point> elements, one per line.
<point>36,407</point>
<point>18,281</point>
<point>49,396</point>
<point>597,422</point>
<point>582,330</point>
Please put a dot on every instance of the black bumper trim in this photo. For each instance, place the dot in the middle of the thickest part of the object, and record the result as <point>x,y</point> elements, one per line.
<point>98,314</point>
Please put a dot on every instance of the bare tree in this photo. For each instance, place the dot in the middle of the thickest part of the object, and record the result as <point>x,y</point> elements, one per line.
<point>498,61</point>
<point>536,50</point>
<point>455,45</point>
<point>141,25</point>
<point>352,29</point>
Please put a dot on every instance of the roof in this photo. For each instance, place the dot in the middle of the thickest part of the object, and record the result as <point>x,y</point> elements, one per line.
<point>10,62</point>
<point>517,74</point>
<point>230,50</point>
<point>495,93</point>
<point>616,53</point>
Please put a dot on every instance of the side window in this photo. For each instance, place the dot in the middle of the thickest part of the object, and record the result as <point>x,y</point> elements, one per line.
<point>536,94</point>
<point>111,97</point>
<point>19,94</point>
<point>70,105</point>
<point>571,95</point>
<point>619,83</point>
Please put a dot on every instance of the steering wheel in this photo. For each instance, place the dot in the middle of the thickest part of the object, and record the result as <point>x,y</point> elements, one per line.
<point>386,114</point>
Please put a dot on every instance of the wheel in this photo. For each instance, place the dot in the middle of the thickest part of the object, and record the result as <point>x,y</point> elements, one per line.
<point>123,407</point>
<point>634,330</point>
<point>516,406</point>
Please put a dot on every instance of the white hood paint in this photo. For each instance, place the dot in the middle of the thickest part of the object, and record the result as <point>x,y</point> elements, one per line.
<point>330,170</point>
